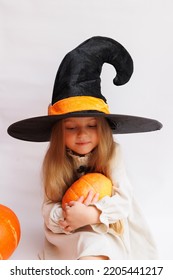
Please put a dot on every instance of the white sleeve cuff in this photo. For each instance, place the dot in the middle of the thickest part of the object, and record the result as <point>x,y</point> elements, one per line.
<point>56,214</point>
<point>103,226</point>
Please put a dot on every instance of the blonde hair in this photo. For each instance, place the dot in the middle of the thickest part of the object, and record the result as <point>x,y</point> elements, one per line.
<point>58,173</point>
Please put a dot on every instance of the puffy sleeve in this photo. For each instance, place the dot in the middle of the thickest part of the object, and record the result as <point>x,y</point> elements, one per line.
<point>52,214</point>
<point>118,206</point>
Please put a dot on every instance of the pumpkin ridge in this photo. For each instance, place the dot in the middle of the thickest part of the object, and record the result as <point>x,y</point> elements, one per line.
<point>14,233</point>
<point>89,184</point>
<point>71,189</point>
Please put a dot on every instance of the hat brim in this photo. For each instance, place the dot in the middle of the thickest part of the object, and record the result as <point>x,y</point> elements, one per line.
<point>38,129</point>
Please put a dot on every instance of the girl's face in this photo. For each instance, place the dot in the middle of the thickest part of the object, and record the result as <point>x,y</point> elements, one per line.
<point>81,135</point>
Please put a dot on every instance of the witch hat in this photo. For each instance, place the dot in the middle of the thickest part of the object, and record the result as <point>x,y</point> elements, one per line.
<point>77,92</point>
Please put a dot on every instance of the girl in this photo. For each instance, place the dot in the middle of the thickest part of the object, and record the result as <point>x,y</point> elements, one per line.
<point>79,127</point>
<point>82,142</point>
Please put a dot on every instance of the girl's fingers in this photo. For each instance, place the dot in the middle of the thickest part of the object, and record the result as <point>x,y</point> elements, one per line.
<point>95,198</point>
<point>63,224</point>
<point>88,199</point>
<point>91,198</point>
<point>70,204</point>
<point>80,199</point>
<point>69,229</point>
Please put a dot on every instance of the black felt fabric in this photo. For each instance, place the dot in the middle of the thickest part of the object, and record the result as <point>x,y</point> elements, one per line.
<point>79,72</point>
<point>39,129</point>
<point>79,75</point>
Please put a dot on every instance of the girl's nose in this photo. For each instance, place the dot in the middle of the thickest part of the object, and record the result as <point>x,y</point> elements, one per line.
<point>82,131</point>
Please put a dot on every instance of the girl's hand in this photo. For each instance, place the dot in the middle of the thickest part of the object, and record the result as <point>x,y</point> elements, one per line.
<point>91,198</point>
<point>80,213</point>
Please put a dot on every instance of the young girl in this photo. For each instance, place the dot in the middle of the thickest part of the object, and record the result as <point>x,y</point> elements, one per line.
<point>78,142</point>
<point>79,127</point>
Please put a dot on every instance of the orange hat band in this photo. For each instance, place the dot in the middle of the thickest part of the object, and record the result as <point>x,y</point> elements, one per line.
<point>78,103</point>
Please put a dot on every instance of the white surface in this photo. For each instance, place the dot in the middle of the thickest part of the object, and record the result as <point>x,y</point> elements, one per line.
<point>35,36</point>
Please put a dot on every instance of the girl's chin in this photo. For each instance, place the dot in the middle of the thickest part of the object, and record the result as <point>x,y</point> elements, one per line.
<point>81,153</point>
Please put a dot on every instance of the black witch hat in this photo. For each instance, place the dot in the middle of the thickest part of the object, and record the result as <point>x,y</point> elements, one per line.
<point>77,92</point>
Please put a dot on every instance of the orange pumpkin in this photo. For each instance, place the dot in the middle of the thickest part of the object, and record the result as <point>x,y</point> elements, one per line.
<point>9,232</point>
<point>91,181</point>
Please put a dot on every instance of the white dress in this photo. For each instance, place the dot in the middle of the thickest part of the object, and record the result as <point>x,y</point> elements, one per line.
<point>136,242</point>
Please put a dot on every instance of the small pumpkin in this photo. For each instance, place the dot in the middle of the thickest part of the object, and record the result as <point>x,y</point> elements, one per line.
<point>9,232</point>
<point>90,181</point>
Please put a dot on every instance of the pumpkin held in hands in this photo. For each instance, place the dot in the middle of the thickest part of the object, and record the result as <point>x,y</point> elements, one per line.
<point>9,232</point>
<point>91,181</point>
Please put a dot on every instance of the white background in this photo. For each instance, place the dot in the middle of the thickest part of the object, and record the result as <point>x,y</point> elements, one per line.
<point>34,37</point>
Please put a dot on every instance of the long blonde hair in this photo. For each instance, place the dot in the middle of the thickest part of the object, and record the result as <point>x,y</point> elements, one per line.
<point>58,173</point>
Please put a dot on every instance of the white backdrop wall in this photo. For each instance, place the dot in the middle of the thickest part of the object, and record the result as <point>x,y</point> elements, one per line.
<point>34,37</point>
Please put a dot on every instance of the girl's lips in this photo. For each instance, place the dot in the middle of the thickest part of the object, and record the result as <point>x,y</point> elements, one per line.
<point>82,143</point>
